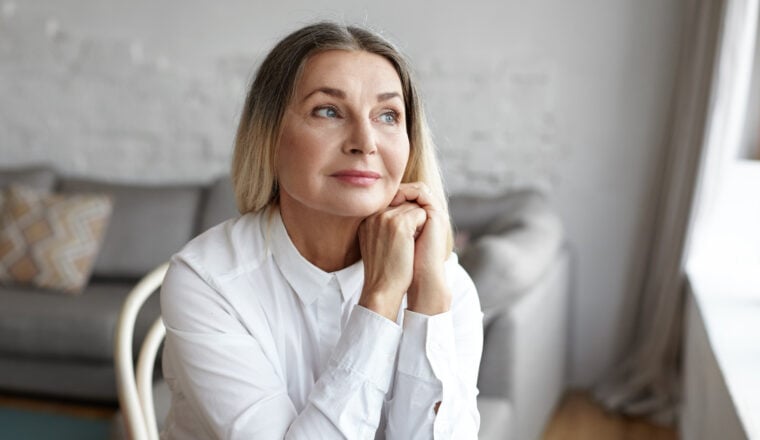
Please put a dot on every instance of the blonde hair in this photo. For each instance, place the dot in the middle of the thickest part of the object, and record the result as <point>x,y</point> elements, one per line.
<point>254,178</point>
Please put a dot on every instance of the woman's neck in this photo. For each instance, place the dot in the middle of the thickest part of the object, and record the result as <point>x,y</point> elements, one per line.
<point>327,241</point>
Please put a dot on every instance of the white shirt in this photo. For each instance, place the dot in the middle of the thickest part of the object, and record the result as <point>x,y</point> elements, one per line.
<point>261,344</point>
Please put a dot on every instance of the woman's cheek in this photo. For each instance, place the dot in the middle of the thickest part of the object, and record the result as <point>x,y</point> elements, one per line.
<point>400,159</point>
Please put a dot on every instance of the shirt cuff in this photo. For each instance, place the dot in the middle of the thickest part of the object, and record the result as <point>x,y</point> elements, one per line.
<point>427,346</point>
<point>368,346</point>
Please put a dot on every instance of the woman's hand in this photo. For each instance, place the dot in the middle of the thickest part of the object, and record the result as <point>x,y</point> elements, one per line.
<point>386,242</point>
<point>404,249</point>
<point>428,291</point>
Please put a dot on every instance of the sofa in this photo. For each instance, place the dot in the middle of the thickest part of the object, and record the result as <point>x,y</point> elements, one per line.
<point>60,345</point>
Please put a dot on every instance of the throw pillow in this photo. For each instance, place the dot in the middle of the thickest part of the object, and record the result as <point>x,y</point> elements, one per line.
<point>48,240</point>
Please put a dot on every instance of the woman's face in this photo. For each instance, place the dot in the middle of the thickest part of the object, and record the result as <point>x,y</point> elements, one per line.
<point>344,146</point>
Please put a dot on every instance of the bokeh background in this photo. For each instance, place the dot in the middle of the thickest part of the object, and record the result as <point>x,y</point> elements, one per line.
<point>571,97</point>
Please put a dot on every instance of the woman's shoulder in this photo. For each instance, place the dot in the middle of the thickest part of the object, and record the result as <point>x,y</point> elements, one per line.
<point>229,247</point>
<point>199,291</point>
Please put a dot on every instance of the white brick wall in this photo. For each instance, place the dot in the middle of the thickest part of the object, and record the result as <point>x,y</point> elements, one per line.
<point>112,109</point>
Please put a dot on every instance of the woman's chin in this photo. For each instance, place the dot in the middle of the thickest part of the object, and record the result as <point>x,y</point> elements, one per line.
<point>360,208</point>
<point>336,203</point>
<point>359,211</point>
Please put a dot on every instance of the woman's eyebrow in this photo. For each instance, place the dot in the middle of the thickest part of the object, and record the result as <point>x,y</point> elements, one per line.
<point>390,95</point>
<point>340,94</point>
<point>337,93</point>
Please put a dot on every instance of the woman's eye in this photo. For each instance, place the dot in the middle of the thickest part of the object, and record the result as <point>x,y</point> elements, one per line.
<point>326,112</point>
<point>389,117</point>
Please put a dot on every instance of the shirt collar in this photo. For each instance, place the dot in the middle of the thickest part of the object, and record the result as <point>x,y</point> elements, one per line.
<point>306,279</point>
<point>351,279</point>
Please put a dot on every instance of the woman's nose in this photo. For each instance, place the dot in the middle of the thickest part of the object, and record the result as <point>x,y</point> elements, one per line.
<point>361,139</point>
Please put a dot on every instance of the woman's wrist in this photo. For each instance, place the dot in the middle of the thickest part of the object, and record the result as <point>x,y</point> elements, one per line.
<point>429,297</point>
<point>382,304</point>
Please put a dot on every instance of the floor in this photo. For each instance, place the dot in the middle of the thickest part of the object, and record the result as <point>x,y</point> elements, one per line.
<point>580,418</point>
<point>577,418</point>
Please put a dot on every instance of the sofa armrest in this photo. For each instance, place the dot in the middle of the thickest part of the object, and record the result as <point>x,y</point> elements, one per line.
<point>525,348</point>
<point>512,251</point>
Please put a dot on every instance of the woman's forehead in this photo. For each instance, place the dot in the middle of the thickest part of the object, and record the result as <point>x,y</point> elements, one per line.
<point>349,70</point>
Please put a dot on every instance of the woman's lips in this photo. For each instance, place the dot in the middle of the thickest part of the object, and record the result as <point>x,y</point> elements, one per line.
<point>356,177</point>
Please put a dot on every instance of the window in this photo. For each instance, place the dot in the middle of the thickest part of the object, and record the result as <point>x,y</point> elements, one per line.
<point>726,238</point>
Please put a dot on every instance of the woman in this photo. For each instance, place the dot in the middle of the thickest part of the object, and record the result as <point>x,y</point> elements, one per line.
<point>333,307</point>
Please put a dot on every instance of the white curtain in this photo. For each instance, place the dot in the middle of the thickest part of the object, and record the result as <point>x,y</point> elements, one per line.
<point>710,98</point>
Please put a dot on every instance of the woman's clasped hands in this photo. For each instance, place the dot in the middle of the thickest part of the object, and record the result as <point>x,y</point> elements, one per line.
<point>404,248</point>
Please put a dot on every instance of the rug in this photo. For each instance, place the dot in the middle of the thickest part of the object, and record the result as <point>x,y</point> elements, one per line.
<point>19,424</point>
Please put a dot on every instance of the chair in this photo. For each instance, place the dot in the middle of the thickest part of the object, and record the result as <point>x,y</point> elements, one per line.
<point>136,390</point>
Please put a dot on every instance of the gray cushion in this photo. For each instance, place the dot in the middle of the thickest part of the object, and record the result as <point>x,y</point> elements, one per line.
<point>60,378</point>
<point>476,214</point>
<point>39,178</point>
<point>219,204</point>
<point>148,225</point>
<point>511,248</point>
<point>44,324</point>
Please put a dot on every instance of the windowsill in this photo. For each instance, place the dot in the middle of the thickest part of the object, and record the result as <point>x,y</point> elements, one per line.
<point>730,308</point>
<point>724,275</point>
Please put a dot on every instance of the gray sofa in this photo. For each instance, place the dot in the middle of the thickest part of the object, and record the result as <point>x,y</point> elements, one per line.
<point>56,345</point>
<point>59,345</point>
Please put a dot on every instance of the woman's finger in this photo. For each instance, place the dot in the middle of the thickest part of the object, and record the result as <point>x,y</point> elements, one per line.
<point>417,192</point>
<point>413,215</point>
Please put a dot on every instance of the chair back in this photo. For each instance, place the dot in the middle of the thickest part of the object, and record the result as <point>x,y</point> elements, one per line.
<point>135,390</point>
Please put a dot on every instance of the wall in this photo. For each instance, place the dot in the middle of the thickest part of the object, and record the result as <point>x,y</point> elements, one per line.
<point>570,96</point>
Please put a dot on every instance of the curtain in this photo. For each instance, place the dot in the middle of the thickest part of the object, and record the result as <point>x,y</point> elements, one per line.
<point>711,76</point>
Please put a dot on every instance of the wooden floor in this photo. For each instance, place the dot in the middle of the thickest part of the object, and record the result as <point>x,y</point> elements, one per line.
<point>580,418</point>
<point>577,418</point>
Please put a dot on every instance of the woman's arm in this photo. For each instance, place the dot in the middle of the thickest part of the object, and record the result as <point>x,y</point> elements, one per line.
<point>232,385</point>
<point>435,387</point>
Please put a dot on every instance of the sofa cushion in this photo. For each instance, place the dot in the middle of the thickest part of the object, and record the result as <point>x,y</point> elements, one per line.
<point>39,178</point>
<point>513,239</point>
<point>71,380</point>
<point>148,225</point>
<point>219,204</point>
<point>40,324</point>
<point>50,240</point>
<point>477,214</point>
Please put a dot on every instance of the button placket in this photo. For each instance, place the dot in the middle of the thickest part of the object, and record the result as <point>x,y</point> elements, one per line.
<point>329,315</point>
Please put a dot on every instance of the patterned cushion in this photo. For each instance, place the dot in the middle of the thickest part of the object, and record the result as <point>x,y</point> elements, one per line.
<point>50,241</point>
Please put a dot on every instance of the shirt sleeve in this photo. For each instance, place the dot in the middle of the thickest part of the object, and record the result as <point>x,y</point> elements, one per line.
<point>351,391</point>
<point>230,379</point>
<point>438,361</point>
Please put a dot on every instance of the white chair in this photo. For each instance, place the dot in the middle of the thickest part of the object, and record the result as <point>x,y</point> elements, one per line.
<point>136,390</point>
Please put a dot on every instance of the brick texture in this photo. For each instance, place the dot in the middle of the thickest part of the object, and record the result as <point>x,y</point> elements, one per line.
<point>112,109</point>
